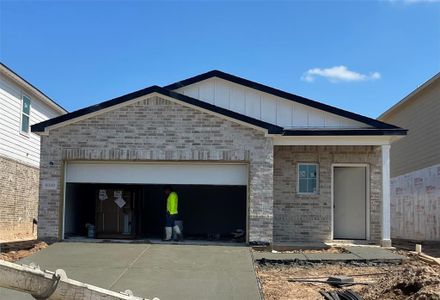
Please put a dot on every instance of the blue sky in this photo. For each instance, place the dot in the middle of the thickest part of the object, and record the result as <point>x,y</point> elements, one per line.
<point>360,56</point>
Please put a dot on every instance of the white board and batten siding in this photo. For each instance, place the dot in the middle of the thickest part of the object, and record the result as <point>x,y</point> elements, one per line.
<point>264,106</point>
<point>14,144</point>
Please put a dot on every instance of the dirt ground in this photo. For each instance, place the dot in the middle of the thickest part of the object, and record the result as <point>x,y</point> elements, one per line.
<point>431,248</point>
<point>328,250</point>
<point>15,251</point>
<point>414,279</point>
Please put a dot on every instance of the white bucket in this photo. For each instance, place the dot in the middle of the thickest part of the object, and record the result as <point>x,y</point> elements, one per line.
<point>178,223</point>
<point>91,231</point>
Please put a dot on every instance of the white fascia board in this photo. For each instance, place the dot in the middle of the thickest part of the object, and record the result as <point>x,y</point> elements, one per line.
<point>332,140</point>
<point>144,97</point>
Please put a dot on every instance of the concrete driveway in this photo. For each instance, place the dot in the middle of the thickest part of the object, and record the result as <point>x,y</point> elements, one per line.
<point>151,270</point>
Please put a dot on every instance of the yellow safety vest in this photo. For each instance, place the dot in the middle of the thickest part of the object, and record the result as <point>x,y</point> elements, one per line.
<point>172,203</point>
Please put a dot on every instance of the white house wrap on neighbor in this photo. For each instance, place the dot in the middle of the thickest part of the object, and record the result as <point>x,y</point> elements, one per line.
<point>415,164</point>
<point>242,157</point>
<point>21,105</point>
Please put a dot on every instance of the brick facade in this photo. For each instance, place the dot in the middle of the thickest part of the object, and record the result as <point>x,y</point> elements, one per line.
<point>156,129</point>
<point>18,199</point>
<point>308,217</point>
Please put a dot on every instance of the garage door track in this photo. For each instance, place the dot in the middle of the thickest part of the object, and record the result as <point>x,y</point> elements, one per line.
<point>163,271</point>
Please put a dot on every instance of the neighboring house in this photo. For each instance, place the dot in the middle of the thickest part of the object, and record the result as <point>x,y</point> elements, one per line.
<point>21,105</point>
<point>241,155</point>
<point>415,164</point>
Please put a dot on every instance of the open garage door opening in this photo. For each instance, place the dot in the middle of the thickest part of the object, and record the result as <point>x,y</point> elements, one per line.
<point>138,211</point>
<point>127,201</point>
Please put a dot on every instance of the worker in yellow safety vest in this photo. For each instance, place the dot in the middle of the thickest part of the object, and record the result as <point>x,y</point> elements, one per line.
<point>172,214</point>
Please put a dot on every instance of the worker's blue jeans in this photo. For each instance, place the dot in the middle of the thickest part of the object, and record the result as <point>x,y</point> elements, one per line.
<point>170,219</point>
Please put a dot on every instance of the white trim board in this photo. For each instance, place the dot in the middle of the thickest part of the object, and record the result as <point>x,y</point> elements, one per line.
<point>332,140</point>
<point>64,201</point>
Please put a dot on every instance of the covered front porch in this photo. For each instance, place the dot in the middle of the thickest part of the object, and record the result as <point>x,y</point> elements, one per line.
<point>333,189</point>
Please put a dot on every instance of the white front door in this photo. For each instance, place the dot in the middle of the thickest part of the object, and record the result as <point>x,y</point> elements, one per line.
<point>349,202</point>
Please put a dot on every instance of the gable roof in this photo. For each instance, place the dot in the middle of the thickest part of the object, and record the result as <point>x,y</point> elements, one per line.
<point>279,93</point>
<point>40,127</point>
<point>379,128</point>
<point>14,76</point>
<point>434,79</point>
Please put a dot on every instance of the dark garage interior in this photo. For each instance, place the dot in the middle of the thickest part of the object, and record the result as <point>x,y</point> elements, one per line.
<point>207,211</point>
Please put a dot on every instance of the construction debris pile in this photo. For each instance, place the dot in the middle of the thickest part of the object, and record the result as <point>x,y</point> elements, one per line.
<point>15,251</point>
<point>412,281</point>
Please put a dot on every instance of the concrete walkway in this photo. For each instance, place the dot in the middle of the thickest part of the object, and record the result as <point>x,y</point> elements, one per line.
<point>354,253</point>
<point>163,271</point>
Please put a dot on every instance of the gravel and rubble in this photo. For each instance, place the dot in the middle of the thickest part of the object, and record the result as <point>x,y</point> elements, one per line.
<point>412,279</point>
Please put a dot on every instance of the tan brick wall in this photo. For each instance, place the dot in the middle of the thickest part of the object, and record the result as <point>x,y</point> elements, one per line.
<point>18,199</point>
<point>308,218</point>
<point>158,129</point>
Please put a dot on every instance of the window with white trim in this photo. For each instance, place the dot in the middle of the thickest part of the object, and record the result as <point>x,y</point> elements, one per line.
<point>307,178</point>
<point>25,114</point>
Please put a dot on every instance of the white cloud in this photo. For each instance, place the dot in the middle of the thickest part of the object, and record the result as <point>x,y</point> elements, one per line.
<point>337,74</point>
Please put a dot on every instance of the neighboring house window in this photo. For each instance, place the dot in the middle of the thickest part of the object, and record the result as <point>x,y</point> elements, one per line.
<point>25,114</point>
<point>307,178</point>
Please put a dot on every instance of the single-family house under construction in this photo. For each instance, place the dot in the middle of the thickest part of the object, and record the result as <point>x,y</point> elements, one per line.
<point>241,155</point>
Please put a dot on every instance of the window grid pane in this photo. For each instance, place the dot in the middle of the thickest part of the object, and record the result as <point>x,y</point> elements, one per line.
<point>307,181</point>
<point>26,105</point>
<point>303,185</point>
<point>303,171</point>
<point>312,171</point>
<point>311,185</point>
<point>25,123</point>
